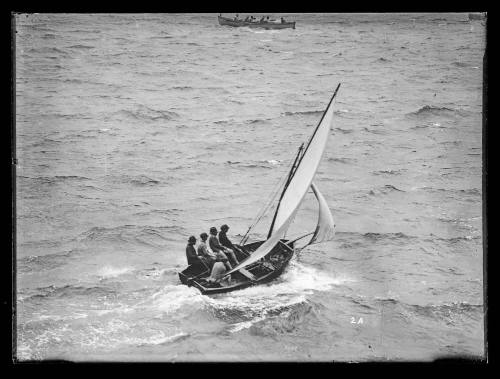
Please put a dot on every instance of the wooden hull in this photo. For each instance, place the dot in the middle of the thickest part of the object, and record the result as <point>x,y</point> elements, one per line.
<point>262,25</point>
<point>262,272</point>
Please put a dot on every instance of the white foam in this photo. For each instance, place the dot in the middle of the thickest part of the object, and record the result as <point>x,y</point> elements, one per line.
<point>158,339</point>
<point>171,298</point>
<point>273,161</point>
<point>112,272</point>
<point>298,282</point>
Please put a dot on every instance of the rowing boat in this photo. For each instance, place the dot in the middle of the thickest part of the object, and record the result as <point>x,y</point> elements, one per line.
<point>264,261</point>
<point>265,25</point>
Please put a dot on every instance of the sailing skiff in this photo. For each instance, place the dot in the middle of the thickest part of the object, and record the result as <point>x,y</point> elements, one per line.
<point>263,261</point>
<point>255,24</point>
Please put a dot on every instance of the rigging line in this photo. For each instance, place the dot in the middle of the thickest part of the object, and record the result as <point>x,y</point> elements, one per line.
<point>267,204</point>
<point>290,175</point>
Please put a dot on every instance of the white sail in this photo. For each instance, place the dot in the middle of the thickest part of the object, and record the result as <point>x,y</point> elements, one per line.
<point>325,230</point>
<point>305,171</point>
<point>297,187</point>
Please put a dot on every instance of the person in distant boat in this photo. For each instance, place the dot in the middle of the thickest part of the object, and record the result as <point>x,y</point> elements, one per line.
<point>224,241</point>
<point>216,247</point>
<point>282,20</point>
<point>205,254</point>
<point>237,17</point>
<point>247,19</point>
<point>262,19</point>
<point>267,19</point>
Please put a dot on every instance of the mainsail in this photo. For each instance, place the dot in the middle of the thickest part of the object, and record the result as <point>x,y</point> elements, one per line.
<point>294,192</point>
<point>306,169</point>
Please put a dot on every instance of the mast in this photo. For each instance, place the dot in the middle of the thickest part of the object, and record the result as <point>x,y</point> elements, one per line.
<point>290,175</point>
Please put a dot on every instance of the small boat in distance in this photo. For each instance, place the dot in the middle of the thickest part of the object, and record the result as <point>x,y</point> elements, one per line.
<point>263,261</point>
<point>255,24</point>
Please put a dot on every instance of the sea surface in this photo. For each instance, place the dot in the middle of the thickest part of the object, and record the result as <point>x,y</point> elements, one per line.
<point>135,131</point>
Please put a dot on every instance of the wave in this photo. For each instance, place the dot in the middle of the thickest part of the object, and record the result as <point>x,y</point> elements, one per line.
<point>80,47</point>
<point>55,179</point>
<point>260,164</point>
<point>164,212</point>
<point>374,131</point>
<point>387,172</point>
<point>447,310</point>
<point>257,120</point>
<point>391,236</point>
<point>341,160</point>
<point>381,60</point>
<point>140,180</point>
<point>182,87</point>
<point>144,113</point>
<point>155,236</point>
<point>468,191</point>
<point>46,50</point>
<point>386,189</point>
<point>303,113</point>
<point>35,263</point>
<point>461,64</point>
<point>69,291</point>
<point>454,240</point>
<point>344,131</point>
<point>429,110</point>
<point>46,142</point>
<point>49,36</point>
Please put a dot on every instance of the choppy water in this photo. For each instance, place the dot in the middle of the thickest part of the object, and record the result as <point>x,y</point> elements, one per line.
<point>136,131</point>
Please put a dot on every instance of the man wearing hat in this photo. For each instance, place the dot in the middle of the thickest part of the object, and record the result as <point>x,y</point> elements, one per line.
<point>191,255</point>
<point>216,247</point>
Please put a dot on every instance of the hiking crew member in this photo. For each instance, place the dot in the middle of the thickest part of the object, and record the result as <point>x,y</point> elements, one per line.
<point>216,247</point>
<point>204,253</point>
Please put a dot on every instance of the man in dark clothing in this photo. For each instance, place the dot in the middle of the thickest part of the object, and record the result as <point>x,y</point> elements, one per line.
<point>192,257</point>
<point>217,247</point>
<point>224,241</point>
